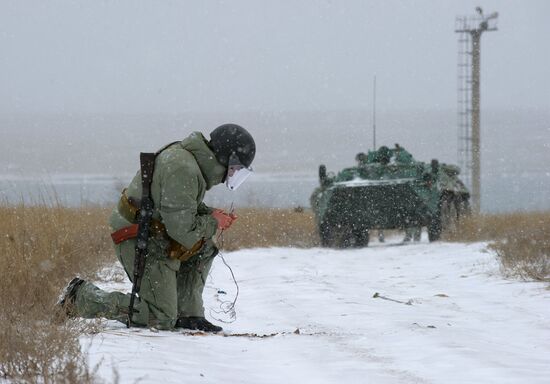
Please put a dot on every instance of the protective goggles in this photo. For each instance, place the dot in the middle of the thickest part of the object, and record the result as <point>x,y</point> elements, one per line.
<point>236,173</point>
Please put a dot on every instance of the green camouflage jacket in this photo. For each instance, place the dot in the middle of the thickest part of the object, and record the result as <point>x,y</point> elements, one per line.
<point>183,173</point>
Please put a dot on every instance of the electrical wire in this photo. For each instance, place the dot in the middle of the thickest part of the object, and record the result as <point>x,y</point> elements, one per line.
<point>226,306</point>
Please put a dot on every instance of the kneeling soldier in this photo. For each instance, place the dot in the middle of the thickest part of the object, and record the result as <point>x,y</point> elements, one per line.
<point>180,249</point>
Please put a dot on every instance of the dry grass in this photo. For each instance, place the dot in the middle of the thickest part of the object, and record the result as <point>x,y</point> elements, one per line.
<point>272,228</point>
<point>498,226</point>
<point>42,249</point>
<point>521,241</point>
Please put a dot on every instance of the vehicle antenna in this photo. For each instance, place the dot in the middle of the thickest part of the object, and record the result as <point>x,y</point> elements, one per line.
<point>374,115</point>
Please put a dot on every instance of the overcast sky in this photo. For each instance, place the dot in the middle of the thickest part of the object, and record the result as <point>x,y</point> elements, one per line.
<point>176,56</point>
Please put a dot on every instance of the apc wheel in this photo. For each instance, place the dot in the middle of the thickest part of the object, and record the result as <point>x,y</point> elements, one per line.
<point>362,238</point>
<point>335,236</point>
<point>344,237</point>
<point>325,235</point>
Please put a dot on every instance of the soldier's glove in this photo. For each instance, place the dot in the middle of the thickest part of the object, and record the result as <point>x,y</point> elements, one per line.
<point>224,220</point>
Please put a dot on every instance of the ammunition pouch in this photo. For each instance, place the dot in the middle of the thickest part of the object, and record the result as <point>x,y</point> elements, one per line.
<point>127,207</point>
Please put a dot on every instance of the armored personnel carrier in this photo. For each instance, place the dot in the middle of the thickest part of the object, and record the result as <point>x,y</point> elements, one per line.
<point>388,189</point>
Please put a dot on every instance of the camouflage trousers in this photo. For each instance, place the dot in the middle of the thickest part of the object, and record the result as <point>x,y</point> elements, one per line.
<point>169,288</point>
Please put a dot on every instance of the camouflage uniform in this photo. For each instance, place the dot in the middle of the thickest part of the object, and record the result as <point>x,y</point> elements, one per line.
<point>170,288</point>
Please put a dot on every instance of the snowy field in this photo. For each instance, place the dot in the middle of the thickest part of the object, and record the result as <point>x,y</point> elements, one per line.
<point>309,316</point>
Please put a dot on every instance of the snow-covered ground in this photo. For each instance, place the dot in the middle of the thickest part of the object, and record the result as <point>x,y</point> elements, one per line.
<point>465,323</point>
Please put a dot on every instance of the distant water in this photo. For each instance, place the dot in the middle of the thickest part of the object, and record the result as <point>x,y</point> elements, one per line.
<point>87,159</point>
<point>261,190</point>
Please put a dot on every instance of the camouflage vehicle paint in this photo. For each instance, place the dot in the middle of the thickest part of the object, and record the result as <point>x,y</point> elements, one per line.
<point>388,189</point>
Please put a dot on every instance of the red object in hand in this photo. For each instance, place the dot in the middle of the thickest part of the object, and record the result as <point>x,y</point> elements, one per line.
<point>224,220</point>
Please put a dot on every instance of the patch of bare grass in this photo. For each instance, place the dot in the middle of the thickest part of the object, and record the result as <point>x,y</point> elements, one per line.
<point>257,227</point>
<point>42,249</point>
<point>520,240</point>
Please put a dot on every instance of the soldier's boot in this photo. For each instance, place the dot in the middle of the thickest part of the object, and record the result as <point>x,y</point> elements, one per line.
<point>68,297</point>
<point>197,323</point>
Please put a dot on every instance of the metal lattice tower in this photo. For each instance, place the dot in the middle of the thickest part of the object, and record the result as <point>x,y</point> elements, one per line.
<point>470,29</point>
<point>464,110</point>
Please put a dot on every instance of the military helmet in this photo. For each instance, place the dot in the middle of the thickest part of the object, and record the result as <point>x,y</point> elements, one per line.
<point>232,140</point>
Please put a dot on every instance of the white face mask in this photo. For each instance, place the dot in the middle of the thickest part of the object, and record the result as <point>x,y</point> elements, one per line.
<point>236,173</point>
<point>236,176</point>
